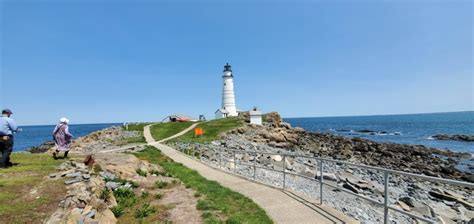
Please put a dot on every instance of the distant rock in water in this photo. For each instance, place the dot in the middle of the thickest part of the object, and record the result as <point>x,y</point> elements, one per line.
<point>465,138</point>
<point>41,148</point>
<point>371,132</point>
<point>366,131</point>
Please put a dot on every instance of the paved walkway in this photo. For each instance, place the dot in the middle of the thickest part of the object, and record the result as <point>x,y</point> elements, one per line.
<point>281,206</point>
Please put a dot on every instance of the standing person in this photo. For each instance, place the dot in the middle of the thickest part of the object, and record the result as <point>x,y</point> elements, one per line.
<point>62,137</point>
<point>7,128</point>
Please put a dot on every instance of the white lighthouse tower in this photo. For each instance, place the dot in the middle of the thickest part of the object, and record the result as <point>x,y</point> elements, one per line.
<point>228,108</point>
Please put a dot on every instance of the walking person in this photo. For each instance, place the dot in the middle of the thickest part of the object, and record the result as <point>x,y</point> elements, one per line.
<point>7,128</point>
<point>62,137</point>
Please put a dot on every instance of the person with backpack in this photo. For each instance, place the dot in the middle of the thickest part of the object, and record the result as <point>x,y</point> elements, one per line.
<point>62,137</point>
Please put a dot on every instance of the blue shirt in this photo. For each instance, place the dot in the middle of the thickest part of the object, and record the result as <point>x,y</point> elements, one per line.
<point>7,126</point>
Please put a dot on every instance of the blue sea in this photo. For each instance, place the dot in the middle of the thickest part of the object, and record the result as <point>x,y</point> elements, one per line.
<point>407,129</point>
<point>35,135</point>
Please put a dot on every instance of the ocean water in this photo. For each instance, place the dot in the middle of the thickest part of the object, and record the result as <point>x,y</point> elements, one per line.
<point>414,129</point>
<point>35,135</point>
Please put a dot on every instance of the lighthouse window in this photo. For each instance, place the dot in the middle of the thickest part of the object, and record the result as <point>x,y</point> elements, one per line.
<point>224,84</point>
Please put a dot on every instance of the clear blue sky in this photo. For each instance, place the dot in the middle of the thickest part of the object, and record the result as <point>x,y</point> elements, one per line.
<point>114,61</point>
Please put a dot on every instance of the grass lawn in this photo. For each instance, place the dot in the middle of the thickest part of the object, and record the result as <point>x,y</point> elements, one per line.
<point>136,127</point>
<point>212,130</point>
<point>25,195</point>
<point>165,130</point>
<point>218,204</point>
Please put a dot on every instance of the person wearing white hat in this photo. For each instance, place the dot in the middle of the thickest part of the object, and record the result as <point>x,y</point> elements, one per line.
<point>62,137</point>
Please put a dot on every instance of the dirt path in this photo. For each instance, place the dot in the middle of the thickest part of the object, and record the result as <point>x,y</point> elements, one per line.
<point>281,206</point>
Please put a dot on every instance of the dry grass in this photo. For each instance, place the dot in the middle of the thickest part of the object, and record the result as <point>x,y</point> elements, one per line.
<point>26,194</point>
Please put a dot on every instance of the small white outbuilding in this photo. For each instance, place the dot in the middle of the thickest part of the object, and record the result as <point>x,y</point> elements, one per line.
<point>255,116</point>
<point>221,113</point>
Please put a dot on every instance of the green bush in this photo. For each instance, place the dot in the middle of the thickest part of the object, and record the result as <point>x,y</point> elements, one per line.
<point>105,194</point>
<point>144,211</point>
<point>158,195</point>
<point>141,172</point>
<point>145,194</point>
<point>161,184</point>
<point>118,211</point>
<point>161,173</point>
<point>122,192</point>
<point>97,168</point>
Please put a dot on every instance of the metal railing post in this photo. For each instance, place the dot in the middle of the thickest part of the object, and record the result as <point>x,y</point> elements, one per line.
<point>385,208</point>
<point>320,181</point>
<point>284,171</point>
<point>235,163</point>
<point>255,167</point>
<point>220,159</point>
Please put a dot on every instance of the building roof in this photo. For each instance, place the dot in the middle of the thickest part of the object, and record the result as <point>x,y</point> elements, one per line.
<point>255,111</point>
<point>224,111</point>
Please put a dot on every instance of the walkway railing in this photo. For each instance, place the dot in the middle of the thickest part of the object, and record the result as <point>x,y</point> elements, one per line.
<point>320,161</point>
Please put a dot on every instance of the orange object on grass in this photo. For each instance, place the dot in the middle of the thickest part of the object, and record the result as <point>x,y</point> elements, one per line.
<point>198,132</point>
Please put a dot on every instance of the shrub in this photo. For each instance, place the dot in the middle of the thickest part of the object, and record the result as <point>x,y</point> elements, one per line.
<point>122,192</point>
<point>141,172</point>
<point>145,194</point>
<point>158,173</point>
<point>158,195</point>
<point>161,173</point>
<point>197,194</point>
<point>161,184</point>
<point>144,211</point>
<point>125,197</point>
<point>97,168</point>
<point>118,211</point>
<point>105,194</point>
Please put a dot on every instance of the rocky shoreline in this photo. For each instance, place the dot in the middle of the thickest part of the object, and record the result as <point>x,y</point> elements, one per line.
<point>464,138</point>
<point>409,158</point>
<point>108,138</point>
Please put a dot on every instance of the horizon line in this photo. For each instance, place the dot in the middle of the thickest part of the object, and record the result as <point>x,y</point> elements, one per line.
<point>329,116</point>
<point>374,115</point>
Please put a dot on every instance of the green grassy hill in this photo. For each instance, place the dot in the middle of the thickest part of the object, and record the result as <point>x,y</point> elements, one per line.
<point>164,130</point>
<point>212,130</point>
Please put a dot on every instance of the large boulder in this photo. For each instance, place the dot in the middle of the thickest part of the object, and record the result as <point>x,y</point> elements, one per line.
<point>274,118</point>
<point>106,216</point>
